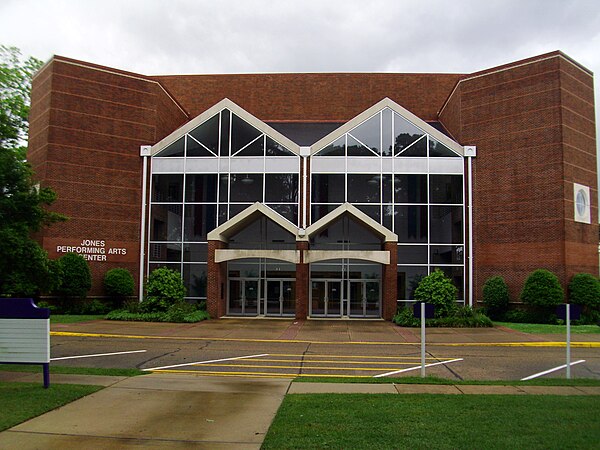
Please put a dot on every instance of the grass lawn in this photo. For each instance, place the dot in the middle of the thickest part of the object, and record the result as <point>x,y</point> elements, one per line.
<point>364,421</point>
<point>23,401</point>
<point>549,329</point>
<point>446,381</point>
<point>71,370</point>
<point>73,318</point>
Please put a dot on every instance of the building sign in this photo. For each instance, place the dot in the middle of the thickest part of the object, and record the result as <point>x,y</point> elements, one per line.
<point>93,250</point>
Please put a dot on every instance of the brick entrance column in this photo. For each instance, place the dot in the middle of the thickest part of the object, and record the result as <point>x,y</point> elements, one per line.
<point>302,282</point>
<point>217,277</point>
<point>389,288</point>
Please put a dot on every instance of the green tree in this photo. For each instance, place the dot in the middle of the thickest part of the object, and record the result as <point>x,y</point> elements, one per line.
<point>436,288</point>
<point>164,289</point>
<point>542,289</point>
<point>76,278</point>
<point>118,283</point>
<point>495,296</point>
<point>24,265</point>
<point>584,289</point>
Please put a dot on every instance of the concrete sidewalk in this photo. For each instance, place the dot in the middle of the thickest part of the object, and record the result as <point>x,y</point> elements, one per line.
<point>157,411</point>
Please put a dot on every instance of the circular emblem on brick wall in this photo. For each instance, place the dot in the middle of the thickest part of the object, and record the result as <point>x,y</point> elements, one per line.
<point>581,202</point>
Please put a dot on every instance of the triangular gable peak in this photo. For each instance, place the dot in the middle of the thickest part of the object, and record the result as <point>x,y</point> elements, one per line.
<point>401,111</point>
<point>237,110</point>
<point>224,231</point>
<point>346,208</point>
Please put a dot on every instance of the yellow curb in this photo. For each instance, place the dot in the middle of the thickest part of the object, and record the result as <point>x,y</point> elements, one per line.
<point>292,341</point>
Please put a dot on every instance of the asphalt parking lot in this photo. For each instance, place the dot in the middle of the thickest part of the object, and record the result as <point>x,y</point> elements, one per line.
<point>287,348</point>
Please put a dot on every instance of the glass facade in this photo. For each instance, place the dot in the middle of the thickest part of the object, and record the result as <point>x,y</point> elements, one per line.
<point>404,179</point>
<point>392,170</point>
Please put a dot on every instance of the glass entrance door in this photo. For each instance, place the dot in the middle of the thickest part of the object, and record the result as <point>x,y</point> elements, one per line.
<point>326,298</point>
<point>243,297</point>
<point>364,298</point>
<point>280,298</point>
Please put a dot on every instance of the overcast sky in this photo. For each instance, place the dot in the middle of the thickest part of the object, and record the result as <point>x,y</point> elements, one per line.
<point>239,36</point>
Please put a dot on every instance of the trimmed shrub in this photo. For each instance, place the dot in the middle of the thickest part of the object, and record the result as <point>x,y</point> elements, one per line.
<point>542,289</point>
<point>164,288</point>
<point>495,296</point>
<point>437,289</point>
<point>461,317</point>
<point>584,289</point>
<point>118,283</point>
<point>76,278</point>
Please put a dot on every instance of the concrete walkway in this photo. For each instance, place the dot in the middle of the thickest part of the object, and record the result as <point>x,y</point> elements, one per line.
<point>191,411</point>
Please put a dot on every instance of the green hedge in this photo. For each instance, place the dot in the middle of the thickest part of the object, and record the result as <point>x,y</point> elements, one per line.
<point>462,317</point>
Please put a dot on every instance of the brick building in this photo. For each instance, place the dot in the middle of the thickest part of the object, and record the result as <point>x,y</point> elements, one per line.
<point>321,195</point>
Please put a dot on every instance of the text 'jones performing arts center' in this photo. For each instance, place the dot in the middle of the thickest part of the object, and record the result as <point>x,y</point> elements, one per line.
<point>321,194</point>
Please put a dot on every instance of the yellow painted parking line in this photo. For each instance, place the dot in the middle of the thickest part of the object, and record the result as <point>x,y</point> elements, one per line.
<point>292,341</point>
<point>323,361</point>
<point>301,367</point>
<point>359,357</point>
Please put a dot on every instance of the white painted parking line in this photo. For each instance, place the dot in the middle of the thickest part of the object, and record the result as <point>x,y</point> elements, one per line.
<point>205,362</point>
<point>97,354</point>
<point>417,367</point>
<point>545,372</point>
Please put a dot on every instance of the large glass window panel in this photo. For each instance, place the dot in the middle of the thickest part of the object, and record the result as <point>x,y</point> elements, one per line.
<point>412,254</point>
<point>319,211</point>
<point>343,234</point>
<point>276,149</point>
<point>387,216</point>
<point>386,132</point>
<point>356,148</point>
<point>447,254</point>
<point>263,233</point>
<point>405,133</point>
<point>224,145</point>
<point>278,269</point>
<point>242,133</point>
<point>165,222</point>
<point>410,188</point>
<point>290,212</point>
<point>167,188</point>
<point>364,188</point>
<point>223,188</point>
<point>457,275</point>
<point>328,269</point>
<point>446,189</point>
<point>246,187</point>
<point>244,268</point>
<point>281,187</point>
<point>328,188</point>
<point>410,223</point>
<point>386,180</point>
<point>408,279</point>
<point>373,211</point>
<point>337,148</point>
<point>207,134</point>
<point>199,221</point>
<point>358,269</point>
<point>195,252</point>
<point>446,224</point>
<point>368,133</point>
<point>170,252</point>
<point>255,148</point>
<point>235,209</point>
<point>417,148</point>
<point>201,188</point>
<point>223,214</point>
<point>196,149</point>
<point>437,149</point>
<point>176,149</point>
<point>194,280</point>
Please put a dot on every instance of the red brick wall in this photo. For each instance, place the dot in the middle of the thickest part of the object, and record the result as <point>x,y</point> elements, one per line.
<point>312,96</point>
<point>534,130</point>
<point>87,125</point>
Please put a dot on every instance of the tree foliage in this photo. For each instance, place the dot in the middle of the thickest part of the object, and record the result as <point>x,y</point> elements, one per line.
<point>436,288</point>
<point>542,289</point>
<point>76,278</point>
<point>584,289</point>
<point>24,265</point>
<point>495,295</point>
<point>119,283</point>
<point>164,288</point>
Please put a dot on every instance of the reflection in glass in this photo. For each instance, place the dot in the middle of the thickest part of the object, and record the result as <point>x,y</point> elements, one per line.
<point>207,134</point>
<point>242,133</point>
<point>276,149</point>
<point>167,188</point>
<point>405,134</point>
<point>410,223</point>
<point>437,149</point>
<point>447,254</point>
<point>446,189</point>
<point>410,188</point>
<point>327,188</point>
<point>165,252</point>
<point>195,252</point>
<point>224,147</point>
<point>194,279</point>
<point>417,148</point>
<point>165,222</point>
<point>201,188</point>
<point>356,148</point>
<point>199,221</point>
<point>246,187</point>
<point>194,148</point>
<point>281,187</point>
<point>175,149</point>
<point>368,133</point>
<point>408,280</point>
<point>446,224</point>
<point>386,130</point>
<point>337,148</point>
<point>364,188</point>
<point>412,254</point>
